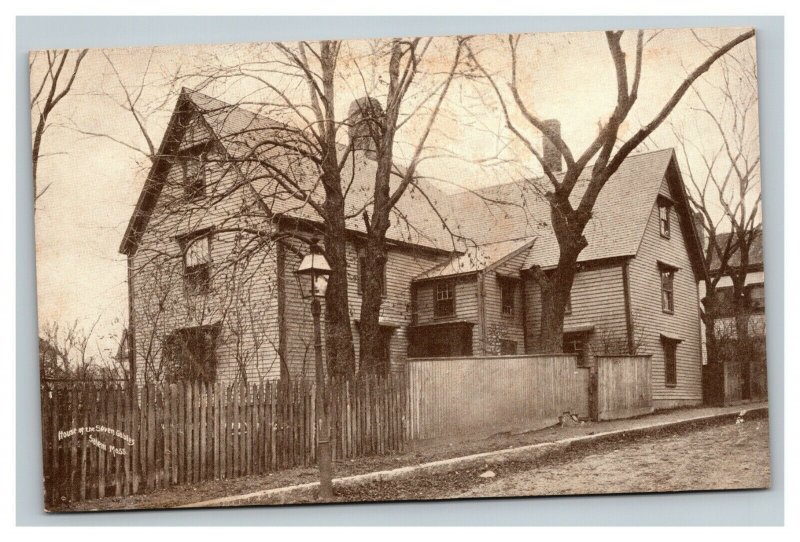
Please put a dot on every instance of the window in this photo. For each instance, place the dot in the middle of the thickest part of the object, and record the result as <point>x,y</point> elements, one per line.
<point>441,340</point>
<point>507,291</point>
<point>575,343</point>
<point>445,299</point>
<point>568,306</point>
<point>194,173</point>
<point>663,217</point>
<point>190,354</point>
<point>670,363</point>
<point>197,263</point>
<point>362,276</point>
<point>756,293</point>
<point>667,291</point>
<point>508,348</point>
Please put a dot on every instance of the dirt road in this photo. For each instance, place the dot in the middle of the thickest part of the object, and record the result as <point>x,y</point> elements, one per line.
<point>716,457</point>
<point>732,456</point>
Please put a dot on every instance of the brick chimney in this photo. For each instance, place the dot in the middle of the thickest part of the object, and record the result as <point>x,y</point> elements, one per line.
<point>550,153</point>
<point>364,118</point>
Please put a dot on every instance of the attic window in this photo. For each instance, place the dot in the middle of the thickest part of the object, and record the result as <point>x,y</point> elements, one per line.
<point>193,167</point>
<point>197,263</point>
<point>664,207</point>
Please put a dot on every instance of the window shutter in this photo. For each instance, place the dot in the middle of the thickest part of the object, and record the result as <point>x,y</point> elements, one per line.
<point>198,252</point>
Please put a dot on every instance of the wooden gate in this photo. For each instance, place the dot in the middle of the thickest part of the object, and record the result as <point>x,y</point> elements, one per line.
<point>624,387</point>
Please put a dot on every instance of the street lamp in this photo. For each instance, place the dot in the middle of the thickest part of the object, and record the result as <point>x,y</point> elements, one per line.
<point>312,276</point>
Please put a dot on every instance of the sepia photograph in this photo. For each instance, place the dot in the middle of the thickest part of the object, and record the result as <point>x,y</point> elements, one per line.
<point>399,269</point>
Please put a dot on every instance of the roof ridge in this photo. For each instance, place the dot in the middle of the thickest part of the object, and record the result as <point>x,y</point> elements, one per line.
<point>542,177</point>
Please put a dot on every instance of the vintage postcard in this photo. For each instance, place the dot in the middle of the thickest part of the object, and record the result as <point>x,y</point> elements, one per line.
<point>400,269</point>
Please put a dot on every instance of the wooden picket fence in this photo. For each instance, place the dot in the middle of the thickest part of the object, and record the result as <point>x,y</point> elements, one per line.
<point>108,440</point>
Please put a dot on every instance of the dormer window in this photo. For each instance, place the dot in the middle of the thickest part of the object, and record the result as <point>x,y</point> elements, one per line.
<point>197,262</point>
<point>193,168</point>
<point>664,208</point>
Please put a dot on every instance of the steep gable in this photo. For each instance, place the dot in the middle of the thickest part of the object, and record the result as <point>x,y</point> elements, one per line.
<point>519,210</point>
<point>256,147</point>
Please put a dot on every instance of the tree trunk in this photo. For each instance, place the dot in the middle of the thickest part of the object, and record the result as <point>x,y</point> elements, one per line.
<point>371,349</point>
<point>557,284</point>
<point>555,291</point>
<point>740,306</point>
<point>709,319</point>
<point>339,350</point>
<point>37,143</point>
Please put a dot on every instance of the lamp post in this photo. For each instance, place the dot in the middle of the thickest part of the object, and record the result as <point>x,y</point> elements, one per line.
<point>312,276</point>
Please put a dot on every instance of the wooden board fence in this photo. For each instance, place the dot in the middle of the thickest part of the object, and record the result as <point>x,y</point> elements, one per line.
<point>480,395</point>
<point>109,440</point>
<point>624,386</point>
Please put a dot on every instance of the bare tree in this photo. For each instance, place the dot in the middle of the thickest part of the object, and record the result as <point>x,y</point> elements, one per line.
<point>568,221</point>
<point>142,96</point>
<point>72,353</point>
<point>55,72</point>
<point>381,124</point>
<point>723,171</point>
<point>306,160</point>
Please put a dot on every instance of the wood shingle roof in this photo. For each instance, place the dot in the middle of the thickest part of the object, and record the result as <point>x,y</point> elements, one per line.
<point>480,226</point>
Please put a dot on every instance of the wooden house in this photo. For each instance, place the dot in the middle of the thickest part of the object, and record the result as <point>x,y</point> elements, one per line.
<point>210,299</point>
<point>725,324</point>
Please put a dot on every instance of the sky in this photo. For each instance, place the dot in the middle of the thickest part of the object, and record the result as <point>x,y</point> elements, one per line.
<point>94,180</point>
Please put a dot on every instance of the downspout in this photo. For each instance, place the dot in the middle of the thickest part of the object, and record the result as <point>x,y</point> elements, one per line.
<point>523,305</point>
<point>626,289</point>
<point>482,310</point>
<point>131,327</point>
<point>281,265</point>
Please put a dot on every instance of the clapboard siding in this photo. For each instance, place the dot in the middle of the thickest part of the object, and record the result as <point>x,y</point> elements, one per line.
<point>598,299</point>
<point>496,325</point>
<point>243,296</point>
<point>466,292</point>
<point>403,264</point>
<point>651,321</point>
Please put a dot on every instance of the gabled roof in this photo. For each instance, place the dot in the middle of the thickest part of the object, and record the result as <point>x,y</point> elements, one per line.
<point>243,133</point>
<point>756,255</point>
<point>479,258</point>
<point>496,221</point>
<point>519,209</point>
